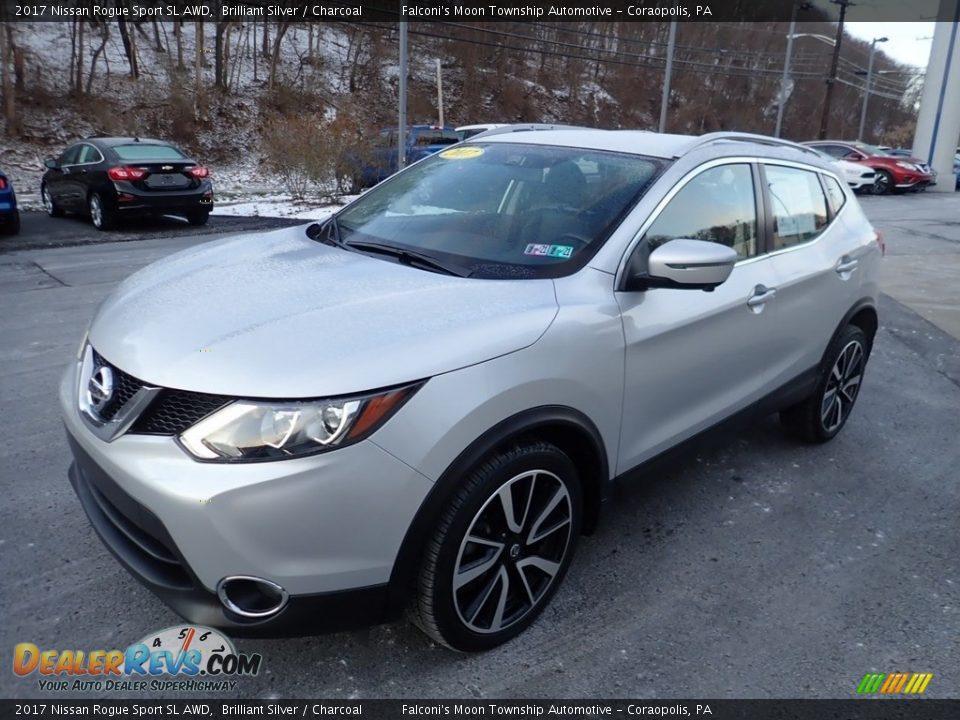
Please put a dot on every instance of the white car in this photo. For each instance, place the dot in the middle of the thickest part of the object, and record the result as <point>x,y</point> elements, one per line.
<point>859,177</point>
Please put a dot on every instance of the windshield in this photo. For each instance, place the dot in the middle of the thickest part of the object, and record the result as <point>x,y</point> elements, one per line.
<point>503,210</point>
<point>142,151</point>
<point>871,149</point>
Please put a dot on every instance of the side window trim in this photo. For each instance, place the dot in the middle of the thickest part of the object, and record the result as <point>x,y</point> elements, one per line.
<point>831,213</point>
<point>66,154</point>
<point>96,150</point>
<point>624,265</point>
<point>764,162</point>
<point>842,184</point>
<point>764,213</point>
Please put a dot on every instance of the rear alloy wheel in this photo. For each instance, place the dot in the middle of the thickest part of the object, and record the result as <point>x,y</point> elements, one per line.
<point>48,204</point>
<point>821,416</point>
<point>883,183</point>
<point>198,218</point>
<point>101,218</point>
<point>501,548</point>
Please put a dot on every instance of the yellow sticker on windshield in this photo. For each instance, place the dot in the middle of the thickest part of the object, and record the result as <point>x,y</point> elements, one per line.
<point>462,153</point>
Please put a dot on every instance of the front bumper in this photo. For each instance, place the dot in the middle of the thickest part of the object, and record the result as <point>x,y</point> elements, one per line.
<point>909,181</point>
<point>326,528</point>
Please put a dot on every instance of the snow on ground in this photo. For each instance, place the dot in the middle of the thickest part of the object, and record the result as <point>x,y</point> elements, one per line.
<point>279,206</point>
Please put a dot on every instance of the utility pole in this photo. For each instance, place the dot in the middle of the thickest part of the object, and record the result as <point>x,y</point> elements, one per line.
<point>782,100</point>
<point>666,76</point>
<point>834,64</point>
<point>440,92</point>
<point>866,89</point>
<point>402,124</point>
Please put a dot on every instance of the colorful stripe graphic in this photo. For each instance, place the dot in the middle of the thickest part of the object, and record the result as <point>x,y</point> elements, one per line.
<point>894,683</point>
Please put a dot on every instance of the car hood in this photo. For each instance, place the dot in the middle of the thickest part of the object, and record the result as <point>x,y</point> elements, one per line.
<point>281,316</point>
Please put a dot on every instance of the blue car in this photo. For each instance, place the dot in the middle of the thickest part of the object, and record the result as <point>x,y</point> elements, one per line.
<point>379,161</point>
<point>9,215</point>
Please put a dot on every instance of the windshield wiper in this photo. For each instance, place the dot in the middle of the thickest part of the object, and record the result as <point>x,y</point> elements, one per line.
<point>409,257</point>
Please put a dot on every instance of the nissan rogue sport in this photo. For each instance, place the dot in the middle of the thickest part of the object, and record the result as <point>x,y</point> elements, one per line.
<point>422,402</point>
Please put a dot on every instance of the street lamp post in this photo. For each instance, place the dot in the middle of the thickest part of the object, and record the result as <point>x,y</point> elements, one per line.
<point>786,70</point>
<point>866,88</point>
<point>786,74</point>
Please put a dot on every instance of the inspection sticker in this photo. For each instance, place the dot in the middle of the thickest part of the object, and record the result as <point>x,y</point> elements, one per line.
<point>462,153</point>
<point>560,251</point>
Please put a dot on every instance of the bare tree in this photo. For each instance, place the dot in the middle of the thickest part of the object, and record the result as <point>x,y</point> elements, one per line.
<point>78,84</point>
<point>275,56</point>
<point>129,46</point>
<point>104,28</point>
<point>198,70</point>
<point>178,34</point>
<point>9,98</point>
<point>156,37</point>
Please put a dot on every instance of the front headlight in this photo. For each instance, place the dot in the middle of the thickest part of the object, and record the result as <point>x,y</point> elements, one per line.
<point>247,430</point>
<point>908,166</point>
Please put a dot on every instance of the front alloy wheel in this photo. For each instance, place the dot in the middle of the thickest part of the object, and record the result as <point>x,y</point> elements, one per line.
<point>501,549</point>
<point>882,183</point>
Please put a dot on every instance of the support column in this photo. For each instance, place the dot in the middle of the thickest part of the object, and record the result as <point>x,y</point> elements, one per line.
<point>938,124</point>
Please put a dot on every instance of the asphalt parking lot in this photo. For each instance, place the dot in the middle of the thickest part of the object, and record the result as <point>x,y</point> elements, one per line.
<point>750,567</point>
<point>38,230</point>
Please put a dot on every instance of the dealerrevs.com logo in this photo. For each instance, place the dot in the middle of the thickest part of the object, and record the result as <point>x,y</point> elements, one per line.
<point>182,657</point>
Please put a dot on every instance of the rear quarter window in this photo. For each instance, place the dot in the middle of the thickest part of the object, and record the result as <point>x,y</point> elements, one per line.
<point>835,193</point>
<point>798,205</point>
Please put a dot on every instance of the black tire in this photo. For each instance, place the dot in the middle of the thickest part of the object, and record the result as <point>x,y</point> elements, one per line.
<point>53,210</point>
<point>518,574</point>
<point>12,227</point>
<point>883,183</point>
<point>198,218</point>
<point>102,217</point>
<point>349,184</point>
<point>822,415</point>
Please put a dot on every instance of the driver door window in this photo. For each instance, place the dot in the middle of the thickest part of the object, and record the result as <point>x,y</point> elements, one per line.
<point>718,205</point>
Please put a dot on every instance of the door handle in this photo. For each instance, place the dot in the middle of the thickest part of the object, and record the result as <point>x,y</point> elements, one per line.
<point>761,294</point>
<point>846,265</point>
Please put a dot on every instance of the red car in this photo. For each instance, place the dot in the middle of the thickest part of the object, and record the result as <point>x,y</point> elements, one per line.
<point>893,173</point>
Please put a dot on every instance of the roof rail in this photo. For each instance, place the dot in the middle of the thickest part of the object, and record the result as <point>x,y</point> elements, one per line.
<point>750,137</point>
<point>522,127</point>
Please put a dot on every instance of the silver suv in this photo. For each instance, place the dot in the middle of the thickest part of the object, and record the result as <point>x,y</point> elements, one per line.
<point>423,402</point>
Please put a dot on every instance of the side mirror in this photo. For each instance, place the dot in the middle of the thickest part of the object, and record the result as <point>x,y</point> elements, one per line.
<point>50,163</point>
<point>690,264</point>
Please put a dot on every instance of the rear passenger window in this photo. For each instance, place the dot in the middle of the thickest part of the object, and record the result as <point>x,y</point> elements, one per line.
<point>834,193</point>
<point>89,154</point>
<point>70,155</point>
<point>717,205</point>
<point>798,205</point>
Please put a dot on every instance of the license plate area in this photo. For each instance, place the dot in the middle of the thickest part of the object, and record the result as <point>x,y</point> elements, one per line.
<point>167,181</point>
